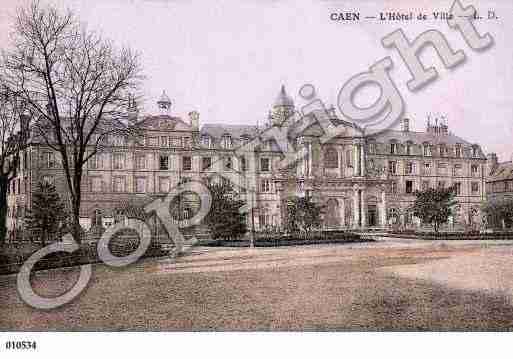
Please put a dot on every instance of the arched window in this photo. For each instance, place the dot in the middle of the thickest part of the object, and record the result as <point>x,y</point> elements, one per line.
<point>409,147</point>
<point>330,158</point>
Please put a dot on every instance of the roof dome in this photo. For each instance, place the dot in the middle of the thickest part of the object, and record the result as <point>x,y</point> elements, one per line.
<point>164,99</point>
<point>283,99</point>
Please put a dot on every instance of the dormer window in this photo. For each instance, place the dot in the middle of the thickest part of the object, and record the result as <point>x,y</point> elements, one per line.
<point>245,139</point>
<point>226,141</point>
<point>475,151</point>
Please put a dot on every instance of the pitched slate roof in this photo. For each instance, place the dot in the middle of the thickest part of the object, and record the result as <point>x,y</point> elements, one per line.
<point>162,122</point>
<point>420,137</point>
<point>217,130</point>
<point>504,171</point>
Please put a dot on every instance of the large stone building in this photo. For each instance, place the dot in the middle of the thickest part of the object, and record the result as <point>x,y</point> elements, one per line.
<point>363,181</point>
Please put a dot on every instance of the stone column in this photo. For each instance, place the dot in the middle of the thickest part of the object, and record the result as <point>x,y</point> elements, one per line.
<point>383,208</point>
<point>363,208</point>
<point>362,160</point>
<point>309,159</point>
<point>356,208</point>
<point>356,162</point>
<point>342,213</point>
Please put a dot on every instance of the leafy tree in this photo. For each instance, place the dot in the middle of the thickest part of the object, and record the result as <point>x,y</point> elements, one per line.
<point>224,219</point>
<point>434,205</point>
<point>498,211</point>
<point>47,217</point>
<point>303,215</point>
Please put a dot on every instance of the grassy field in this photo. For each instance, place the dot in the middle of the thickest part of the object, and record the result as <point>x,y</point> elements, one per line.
<point>344,287</point>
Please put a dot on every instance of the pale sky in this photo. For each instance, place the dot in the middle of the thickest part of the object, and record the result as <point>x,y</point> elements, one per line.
<point>228,59</point>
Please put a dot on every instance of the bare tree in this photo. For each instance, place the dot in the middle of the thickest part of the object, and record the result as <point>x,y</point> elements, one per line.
<point>13,140</point>
<point>75,82</point>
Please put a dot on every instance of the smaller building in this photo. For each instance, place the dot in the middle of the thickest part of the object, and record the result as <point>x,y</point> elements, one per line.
<point>499,183</point>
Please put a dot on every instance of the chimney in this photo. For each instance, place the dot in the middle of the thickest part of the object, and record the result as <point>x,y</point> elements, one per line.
<point>194,117</point>
<point>491,162</point>
<point>406,125</point>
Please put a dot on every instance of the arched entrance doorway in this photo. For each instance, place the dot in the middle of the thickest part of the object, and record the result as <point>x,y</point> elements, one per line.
<point>332,217</point>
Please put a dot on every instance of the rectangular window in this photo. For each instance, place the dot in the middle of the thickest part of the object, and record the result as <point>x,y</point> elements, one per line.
<point>475,187</point>
<point>243,164</point>
<point>457,187</point>
<point>140,161</point>
<point>95,162</point>
<point>50,160</point>
<point>458,150</point>
<point>164,162</point>
<point>119,161</point>
<point>442,168</point>
<point>118,184</point>
<point>96,184</point>
<point>425,185</point>
<point>206,163</point>
<point>349,158</point>
<point>410,168</point>
<point>392,167</point>
<point>474,170</point>
<point>426,150</point>
<point>264,165</point>
<point>393,187</point>
<point>393,148</point>
<point>409,186</point>
<point>186,163</point>
<point>457,170</point>
<point>163,141</point>
<point>163,184</point>
<point>152,141</point>
<point>441,184</point>
<point>265,186</point>
<point>140,185</point>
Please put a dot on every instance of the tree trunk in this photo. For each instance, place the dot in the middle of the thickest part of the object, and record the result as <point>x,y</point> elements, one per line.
<point>76,201</point>
<point>4,183</point>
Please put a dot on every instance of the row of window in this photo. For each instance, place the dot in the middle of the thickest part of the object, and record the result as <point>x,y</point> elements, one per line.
<point>442,169</point>
<point>151,141</point>
<point>17,186</point>
<point>427,149</point>
<point>425,184</point>
<point>186,163</point>
<point>500,186</point>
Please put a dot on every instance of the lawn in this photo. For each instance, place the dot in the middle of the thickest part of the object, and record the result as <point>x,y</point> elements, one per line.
<point>329,287</point>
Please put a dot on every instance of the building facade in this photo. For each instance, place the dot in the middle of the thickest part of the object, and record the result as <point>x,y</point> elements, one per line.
<point>499,183</point>
<point>362,181</point>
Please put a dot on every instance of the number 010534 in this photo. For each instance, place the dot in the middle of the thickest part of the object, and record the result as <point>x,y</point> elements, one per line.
<point>20,345</point>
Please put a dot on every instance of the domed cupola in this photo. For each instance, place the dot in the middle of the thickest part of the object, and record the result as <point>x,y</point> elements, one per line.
<point>283,108</point>
<point>283,99</point>
<point>164,103</point>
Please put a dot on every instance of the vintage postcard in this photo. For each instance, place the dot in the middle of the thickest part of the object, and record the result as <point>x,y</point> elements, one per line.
<point>254,166</point>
